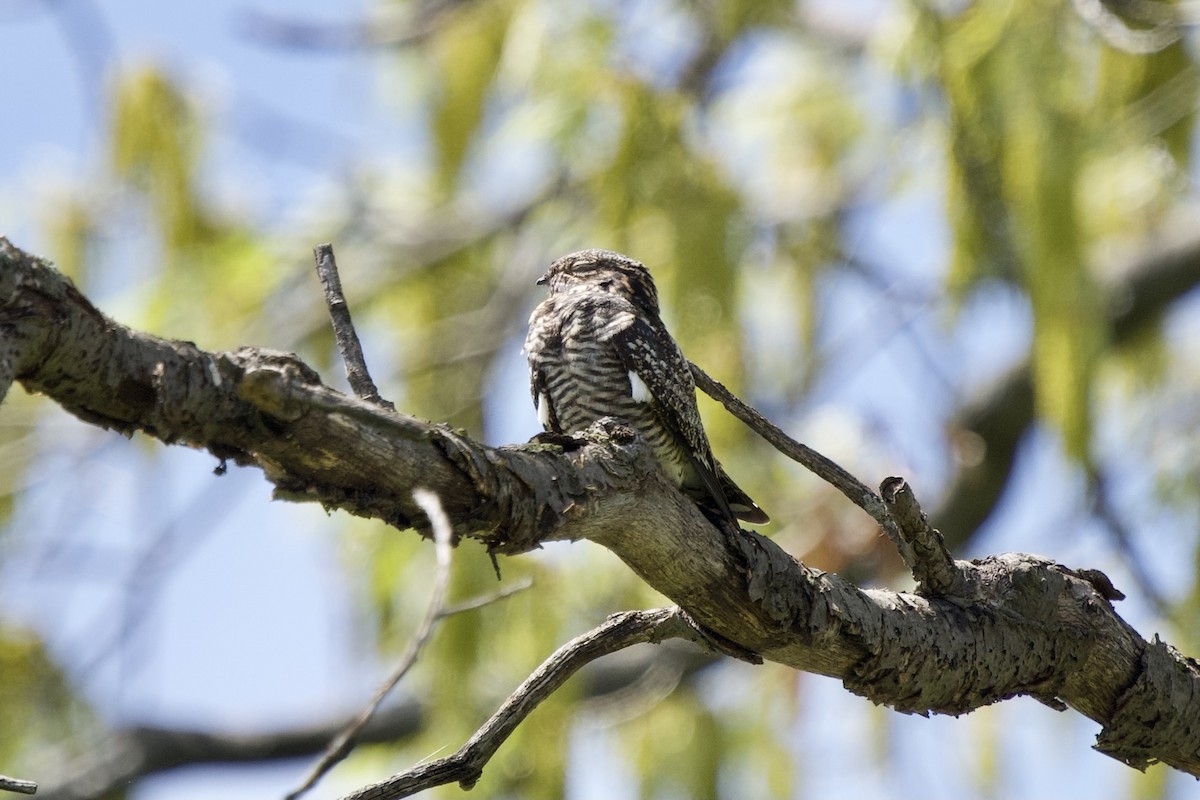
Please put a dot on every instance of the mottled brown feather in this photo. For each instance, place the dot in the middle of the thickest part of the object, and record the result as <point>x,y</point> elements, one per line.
<point>599,326</point>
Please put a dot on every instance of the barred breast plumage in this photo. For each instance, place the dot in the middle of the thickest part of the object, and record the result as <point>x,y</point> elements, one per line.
<point>597,347</point>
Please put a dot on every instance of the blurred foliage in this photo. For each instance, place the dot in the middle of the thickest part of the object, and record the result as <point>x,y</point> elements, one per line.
<point>215,271</point>
<point>465,50</point>
<point>38,703</point>
<point>156,147</point>
<point>1029,115</point>
<point>733,147</point>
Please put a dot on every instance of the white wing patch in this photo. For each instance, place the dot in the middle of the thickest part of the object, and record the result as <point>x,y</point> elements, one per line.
<point>639,390</point>
<point>543,409</point>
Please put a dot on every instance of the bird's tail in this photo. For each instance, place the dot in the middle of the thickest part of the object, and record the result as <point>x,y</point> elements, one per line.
<point>740,503</point>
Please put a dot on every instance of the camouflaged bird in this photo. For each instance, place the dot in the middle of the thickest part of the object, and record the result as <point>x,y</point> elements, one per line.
<point>597,348</point>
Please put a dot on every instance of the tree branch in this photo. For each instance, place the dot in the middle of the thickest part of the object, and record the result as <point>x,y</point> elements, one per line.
<point>17,785</point>
<point>125,756</point>
<point>466,766</point>
<point>130,754</point>
<point>825,469</point>
<point>936,573</point>
<point>1020,625</point>
<point>344,742</point>
<point>357,373</point>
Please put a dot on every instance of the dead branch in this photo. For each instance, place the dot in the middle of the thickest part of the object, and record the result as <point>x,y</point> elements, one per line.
<point>126,755</point>
<point>466,766</point>
<point>825,469</point>
<point>344,742</point>
<point>343,328</point>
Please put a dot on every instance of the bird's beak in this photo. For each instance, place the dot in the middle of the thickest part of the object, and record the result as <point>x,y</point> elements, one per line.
<point>542,281</point>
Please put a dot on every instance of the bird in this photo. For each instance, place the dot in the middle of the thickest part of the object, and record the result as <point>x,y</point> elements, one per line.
<point>597,347</point>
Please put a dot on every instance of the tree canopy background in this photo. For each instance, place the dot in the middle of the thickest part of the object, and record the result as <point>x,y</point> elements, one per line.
<point>862,217</point>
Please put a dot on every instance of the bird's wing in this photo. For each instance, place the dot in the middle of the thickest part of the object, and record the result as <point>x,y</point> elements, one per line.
<point>542,343</point>
<point>541,401</point>
<point>651,355</point>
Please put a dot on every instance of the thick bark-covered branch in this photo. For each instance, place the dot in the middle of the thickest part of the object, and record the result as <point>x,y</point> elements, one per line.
<point>1018,625</point>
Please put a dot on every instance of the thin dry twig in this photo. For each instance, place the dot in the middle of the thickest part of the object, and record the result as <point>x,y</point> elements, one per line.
<point>487,599</point>
<point>443,537</point>
<point>829,471</point>
<point>466,766</point>
<point>343,328</point>
<point>17,785</point>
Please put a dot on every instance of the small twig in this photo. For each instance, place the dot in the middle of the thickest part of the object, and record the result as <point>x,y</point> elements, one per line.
<point>858,493</point>
<point>343,743</point>
<point>486,599</point>
<point>466,766</point>
<point>934,570</point>
<point>17,785</point>
<point>343,328</point>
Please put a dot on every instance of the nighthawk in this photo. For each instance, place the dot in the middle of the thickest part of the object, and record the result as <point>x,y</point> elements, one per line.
<point>597,348</point>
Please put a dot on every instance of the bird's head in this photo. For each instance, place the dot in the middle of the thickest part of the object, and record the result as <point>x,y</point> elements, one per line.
<point>605,271</point>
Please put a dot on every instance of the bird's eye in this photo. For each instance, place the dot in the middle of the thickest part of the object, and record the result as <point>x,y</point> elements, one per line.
<point>606,283</point>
